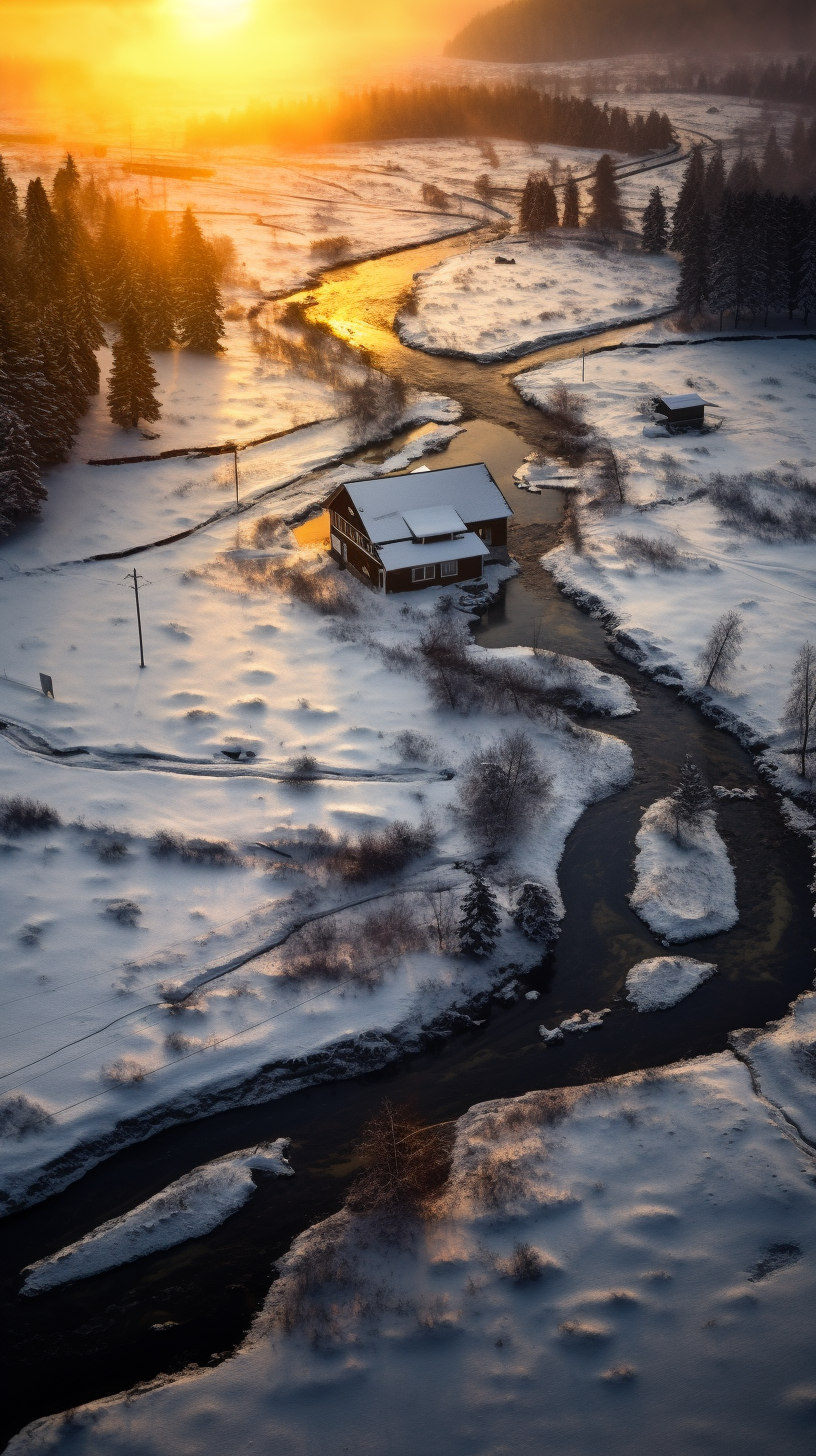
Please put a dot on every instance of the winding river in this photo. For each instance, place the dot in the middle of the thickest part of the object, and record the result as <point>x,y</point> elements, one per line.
<point>99,1336</point>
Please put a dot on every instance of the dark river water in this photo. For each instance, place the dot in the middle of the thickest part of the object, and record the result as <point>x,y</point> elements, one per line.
<point>96,1337</point>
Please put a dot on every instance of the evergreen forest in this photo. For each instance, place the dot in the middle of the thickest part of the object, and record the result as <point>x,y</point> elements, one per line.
<point>72,259</point>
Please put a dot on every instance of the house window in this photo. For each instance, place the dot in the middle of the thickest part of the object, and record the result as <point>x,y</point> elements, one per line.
<point>486,534</point>
<point>335,540</point>
<point>423,573</point>
<point>449,568</point>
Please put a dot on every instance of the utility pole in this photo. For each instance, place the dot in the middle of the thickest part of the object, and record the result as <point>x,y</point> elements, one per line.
<point>233,446</point>
<point>583,356</point>
<point>133,582</point>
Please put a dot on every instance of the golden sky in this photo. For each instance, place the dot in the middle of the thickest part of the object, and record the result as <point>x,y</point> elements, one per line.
<point>99,62</point>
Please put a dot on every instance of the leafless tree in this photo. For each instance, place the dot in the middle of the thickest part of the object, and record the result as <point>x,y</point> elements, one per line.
<point>442,903</point>
<point>501,789</point>
<point>721,650</point>
<point>610,474</point>
<point>404,1161</point>
<point>800,709</point>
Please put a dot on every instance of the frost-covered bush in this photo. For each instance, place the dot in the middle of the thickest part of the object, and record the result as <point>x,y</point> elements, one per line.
<point>109,849</point>
<point>525,1264</point>
<point>415,747</point>
<point>771,505</point>
<point>357,948</point>
<point>502,787</point>
<point>19,1116</point>
<point>124,1072</point>
<point>303,768</point>
<point>650,551</point>
<point>194,851</point>
<point>331,249</point>
<point>124,912</point>
<point>18,814</point>
<point>404,1162</point>
<point>536,914</point>
<point>267,530</point>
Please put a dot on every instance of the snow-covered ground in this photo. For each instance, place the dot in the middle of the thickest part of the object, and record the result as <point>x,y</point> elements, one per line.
<point>626,1266</point>
<point>684,886</point>
<point>555,288</point>
<point>185,1209</point>
<point>718,560</point>
<point>105,926</point>
<point>661,982</point>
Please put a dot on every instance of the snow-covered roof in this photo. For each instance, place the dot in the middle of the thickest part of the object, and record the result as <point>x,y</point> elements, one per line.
<point>470,490</point>
<point>434,521</point>
<point>681,401</point>
<point>414,553</point>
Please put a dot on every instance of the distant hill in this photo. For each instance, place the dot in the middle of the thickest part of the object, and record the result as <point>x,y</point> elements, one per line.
<point>563,30</point>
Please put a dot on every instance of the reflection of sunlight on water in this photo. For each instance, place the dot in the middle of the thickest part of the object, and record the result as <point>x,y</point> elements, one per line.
<point>314,532</point>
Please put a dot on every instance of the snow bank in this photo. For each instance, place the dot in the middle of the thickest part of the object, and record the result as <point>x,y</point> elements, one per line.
<point>656,984</point>
<point>185,1209</point>
<point>601,1256</point>
<point>783,1059</point>
<point>763,390</point>
<point>683,890</point>
<point>558,288</point>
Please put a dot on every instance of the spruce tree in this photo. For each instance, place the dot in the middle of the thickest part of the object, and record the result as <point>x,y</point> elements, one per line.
<point>773,174</point>
<point>714,180</point>
<point>158,301</point>
<point>690,195</point>
<point>655,234</point>
<point>691,797</point>
<point>693,287</point>
<point>479,923</point>
<point>198,301</point>
<point>571,216</point>
<point>606,212</point>
<point>806,298</point>
<point>21,491</point>
<point>132,383</point>
<point>535,914</point>
<point>66,182</point>
<point>110,261</point>
<point>43,256</point>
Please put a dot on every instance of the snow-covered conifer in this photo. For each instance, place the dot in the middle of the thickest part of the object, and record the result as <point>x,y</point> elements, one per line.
<point>693,287</point>
<point>198,301</point>
<point>535,914</point>
<point>20,489</point>
<point>604,191</point>
<point>690,198</point>
<point>479,922</point>
<point>132,383</point>
<point>571,215</point>
<point>655,232</point>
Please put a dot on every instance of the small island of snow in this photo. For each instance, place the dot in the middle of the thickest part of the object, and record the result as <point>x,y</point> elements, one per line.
<point>657,984</point>
<point>685,888</point>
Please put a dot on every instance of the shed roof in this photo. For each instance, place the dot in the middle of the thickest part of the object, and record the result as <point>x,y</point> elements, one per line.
<point>681,401</point>
<point>382,503</point>
<point>434,521</point>
<point>401,554</point>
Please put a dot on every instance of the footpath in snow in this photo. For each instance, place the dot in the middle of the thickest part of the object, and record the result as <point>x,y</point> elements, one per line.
<point>626,1266</point>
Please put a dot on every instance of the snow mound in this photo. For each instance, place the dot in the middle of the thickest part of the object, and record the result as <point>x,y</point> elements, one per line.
<point>534,474</point>
<point>656,984</point>
<point>683,890</point>
<point>185,1209</point>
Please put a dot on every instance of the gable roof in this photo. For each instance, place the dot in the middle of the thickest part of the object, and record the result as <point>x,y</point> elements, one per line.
<point>401,554</point>
<point>434,521</point>
<point>381,503</point>
<point>680,401</point>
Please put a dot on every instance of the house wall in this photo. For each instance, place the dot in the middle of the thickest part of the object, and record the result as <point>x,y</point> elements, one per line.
<point>470,569</point>
<point>498,530</point>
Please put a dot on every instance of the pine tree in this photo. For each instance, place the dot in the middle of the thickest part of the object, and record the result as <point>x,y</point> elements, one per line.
<point>571,216</point>
<point>714,180</point>
<point>66,182</point>
<point>690,198</point>
<point>198,301</point>
<point>43,256</point>
<point>132,383</point>
<point>536,915</point>
<point>110,261</point>
<point>691,795</point>
<point>773,174</point>
<point>693,287</point>
<point>606,212</point>
<point>20,489</point>
<point>479,923</point>
<point>655,234</point>
<point>806,298</point>
<point>158,300</point>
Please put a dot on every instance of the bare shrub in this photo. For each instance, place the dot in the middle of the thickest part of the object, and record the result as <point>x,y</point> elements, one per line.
<point>224,255</point>
<point>502,788</point>
<point>415,747</point>
<point>573,528</point>
<point>565,412</point>
<point>444,918</point>
<point>18,815</point>
<point>19,1117</point>
<point>124,1072</point>
<point>525,1264</point>
<point>380,853</point>
<point>332,249</point>
<point>110,850</point>
<point>650,551</point>
<point>354,949</point>
<point>124,912</point>
<point>405,1162</point>
<point>267,531</point>
<point>216,852</point>
<point>320,588</point>
<point>721,650</point>
<point>611,472</point>
<point>435,198</point>
<point>303,768</point>
<point>770,505</point>
<point>497,1180</point>
<point>175,1042</point>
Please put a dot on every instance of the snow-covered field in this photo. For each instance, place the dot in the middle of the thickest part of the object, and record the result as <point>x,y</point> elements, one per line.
<point>719,556</point>
<point>556,288</point>
<point>626,1267</point>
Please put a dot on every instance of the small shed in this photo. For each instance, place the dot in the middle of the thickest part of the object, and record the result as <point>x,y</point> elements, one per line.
<point>681,409</point>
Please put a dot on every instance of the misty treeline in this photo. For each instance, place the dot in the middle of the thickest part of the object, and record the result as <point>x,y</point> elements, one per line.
<point>748,237</point>
<point>519,113</point>
<point>790,81</point>
<point>73,257</point>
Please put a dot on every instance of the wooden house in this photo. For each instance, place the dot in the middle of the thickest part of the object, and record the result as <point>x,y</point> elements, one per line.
<point>430,528</point>
<point>681,409</point>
